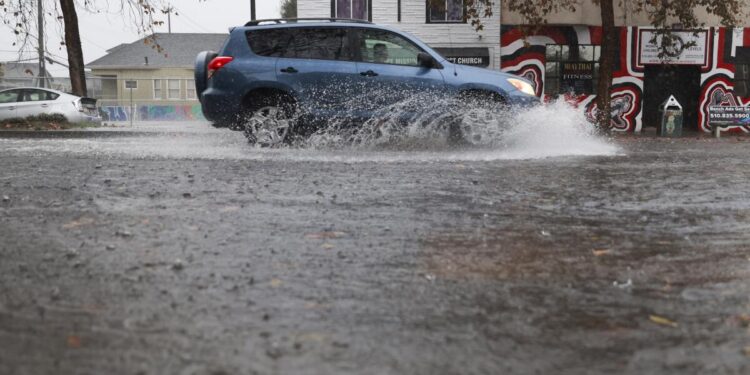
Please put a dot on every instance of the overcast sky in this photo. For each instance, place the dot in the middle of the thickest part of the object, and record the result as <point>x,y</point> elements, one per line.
<point>100,32</point>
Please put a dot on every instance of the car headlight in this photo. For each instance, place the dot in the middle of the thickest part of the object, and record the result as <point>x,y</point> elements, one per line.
<point>522,86</point>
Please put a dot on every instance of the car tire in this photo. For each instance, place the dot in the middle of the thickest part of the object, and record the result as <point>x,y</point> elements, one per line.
<point>269,121</point>
<point>459,132</point>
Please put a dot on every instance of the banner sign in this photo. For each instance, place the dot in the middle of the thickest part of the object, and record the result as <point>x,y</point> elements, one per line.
<point>577,76</point>
<point>729,115</point>
<point>482,61</point>
<point>695,55</point>
<point>466,56</point>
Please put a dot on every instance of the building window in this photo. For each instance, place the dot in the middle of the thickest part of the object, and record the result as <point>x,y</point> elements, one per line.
<point>571,69</point>
<point>742,80</point>
<point>173,88</point>
<point>190,88</point>
<point>445,11</point>
<point>354,9</point>
<point>157,90</point>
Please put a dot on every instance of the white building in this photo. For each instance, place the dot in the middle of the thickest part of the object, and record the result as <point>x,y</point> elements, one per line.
<point>442,26</point>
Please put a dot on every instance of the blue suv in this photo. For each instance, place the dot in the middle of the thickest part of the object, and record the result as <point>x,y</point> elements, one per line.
<point>274,78</point>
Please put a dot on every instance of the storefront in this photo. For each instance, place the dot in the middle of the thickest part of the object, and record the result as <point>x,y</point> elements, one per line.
<point>562,61</point>
<point>440,24</point>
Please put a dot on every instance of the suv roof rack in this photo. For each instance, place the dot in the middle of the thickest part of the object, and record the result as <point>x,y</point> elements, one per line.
<point>293,20</point>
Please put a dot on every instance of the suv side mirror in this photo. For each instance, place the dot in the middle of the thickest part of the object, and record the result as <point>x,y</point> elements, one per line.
<point>426,60</point>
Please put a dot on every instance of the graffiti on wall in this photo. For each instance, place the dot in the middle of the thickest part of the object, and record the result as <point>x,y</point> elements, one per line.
<point>525,54</point>
<point>169,112</point>
<point>717,81</point>
<point>114,113</point>
<point>153,113</point>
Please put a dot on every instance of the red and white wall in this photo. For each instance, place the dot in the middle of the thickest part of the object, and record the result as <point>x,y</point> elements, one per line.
<point>525,55</point>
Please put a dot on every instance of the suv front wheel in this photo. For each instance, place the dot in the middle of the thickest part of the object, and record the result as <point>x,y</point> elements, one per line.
<point>269,122</point>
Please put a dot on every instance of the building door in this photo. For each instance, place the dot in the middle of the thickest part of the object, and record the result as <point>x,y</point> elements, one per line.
<point>661,81</point>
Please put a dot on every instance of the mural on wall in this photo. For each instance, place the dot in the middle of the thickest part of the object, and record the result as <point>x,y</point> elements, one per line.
<point>170,113</point>
<point>525,55</point>
<point>114,113</point>
<point>153,113</point>
<point>717,80</point>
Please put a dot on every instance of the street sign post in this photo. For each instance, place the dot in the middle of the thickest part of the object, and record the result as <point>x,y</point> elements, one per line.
<point>131,84</point>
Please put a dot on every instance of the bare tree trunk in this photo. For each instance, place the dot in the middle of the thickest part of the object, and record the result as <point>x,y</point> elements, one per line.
<point>73,45</point>
<point>610,43</point>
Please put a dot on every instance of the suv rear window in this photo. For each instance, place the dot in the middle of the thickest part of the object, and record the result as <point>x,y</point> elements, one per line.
<point>325,43</point>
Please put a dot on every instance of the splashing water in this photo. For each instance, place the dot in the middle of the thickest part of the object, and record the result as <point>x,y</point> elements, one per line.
<point>556,129</point>
<point>494,132</point>
<point>405,132</point>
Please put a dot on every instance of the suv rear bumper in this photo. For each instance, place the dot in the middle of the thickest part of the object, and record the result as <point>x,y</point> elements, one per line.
<point>219,107</point>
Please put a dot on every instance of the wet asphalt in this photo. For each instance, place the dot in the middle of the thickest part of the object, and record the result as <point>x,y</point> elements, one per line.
<point>179,249</point>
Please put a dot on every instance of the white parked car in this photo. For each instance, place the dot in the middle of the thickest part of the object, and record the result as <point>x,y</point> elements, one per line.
<point>29,101</point>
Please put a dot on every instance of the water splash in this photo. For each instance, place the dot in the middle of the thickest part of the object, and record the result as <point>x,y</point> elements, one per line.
<point>486,132</point>
<point>552,130</point>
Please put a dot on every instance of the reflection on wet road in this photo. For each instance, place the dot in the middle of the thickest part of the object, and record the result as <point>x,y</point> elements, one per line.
<point>179,249</point>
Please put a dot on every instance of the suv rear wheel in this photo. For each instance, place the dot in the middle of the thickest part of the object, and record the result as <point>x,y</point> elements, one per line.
<point>269,122</point>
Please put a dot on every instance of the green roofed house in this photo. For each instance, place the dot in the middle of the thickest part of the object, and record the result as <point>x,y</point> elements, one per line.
<point>161,77</point>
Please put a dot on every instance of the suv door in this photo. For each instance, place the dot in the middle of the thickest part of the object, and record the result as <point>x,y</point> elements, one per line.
<point>389,70</point>
<point>318,64</point>
<point>8,103</point>
<point>34,102</point>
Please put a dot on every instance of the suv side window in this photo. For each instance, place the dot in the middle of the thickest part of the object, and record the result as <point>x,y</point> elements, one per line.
<point>10,96</point>
<point>269,42</point>
<point>385,47</point>
<point>324,43</point>
<point>301,43</point>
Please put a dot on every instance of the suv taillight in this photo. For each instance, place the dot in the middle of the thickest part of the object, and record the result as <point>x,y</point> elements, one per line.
<point>218,63</point>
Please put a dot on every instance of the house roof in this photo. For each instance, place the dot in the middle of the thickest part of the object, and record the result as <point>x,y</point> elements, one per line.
<point>178,51</point>
<point>14,70</point>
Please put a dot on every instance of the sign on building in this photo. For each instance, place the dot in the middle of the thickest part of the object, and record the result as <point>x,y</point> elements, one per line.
<point>577,76</point>
<point>693,55</point>
<point>728,116</point>
<point>473,56</point>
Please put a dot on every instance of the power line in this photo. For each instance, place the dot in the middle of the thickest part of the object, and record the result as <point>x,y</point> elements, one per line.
<point>95,45</point>
<point>190,20</point>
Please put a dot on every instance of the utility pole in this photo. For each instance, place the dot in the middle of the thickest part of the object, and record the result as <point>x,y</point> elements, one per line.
<point>169,18</point>
<point>40,41</point>
<point>252,10</point>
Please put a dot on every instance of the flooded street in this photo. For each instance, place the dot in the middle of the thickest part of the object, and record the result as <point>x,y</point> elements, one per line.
<point>179,249</point>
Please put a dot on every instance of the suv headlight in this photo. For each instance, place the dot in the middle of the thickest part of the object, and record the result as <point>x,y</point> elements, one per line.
<point>522,86</point>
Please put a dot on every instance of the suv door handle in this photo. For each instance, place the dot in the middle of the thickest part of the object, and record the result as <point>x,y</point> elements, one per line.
<point>45,105</point>
<point>289,70</point>
<point>369,73</point>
